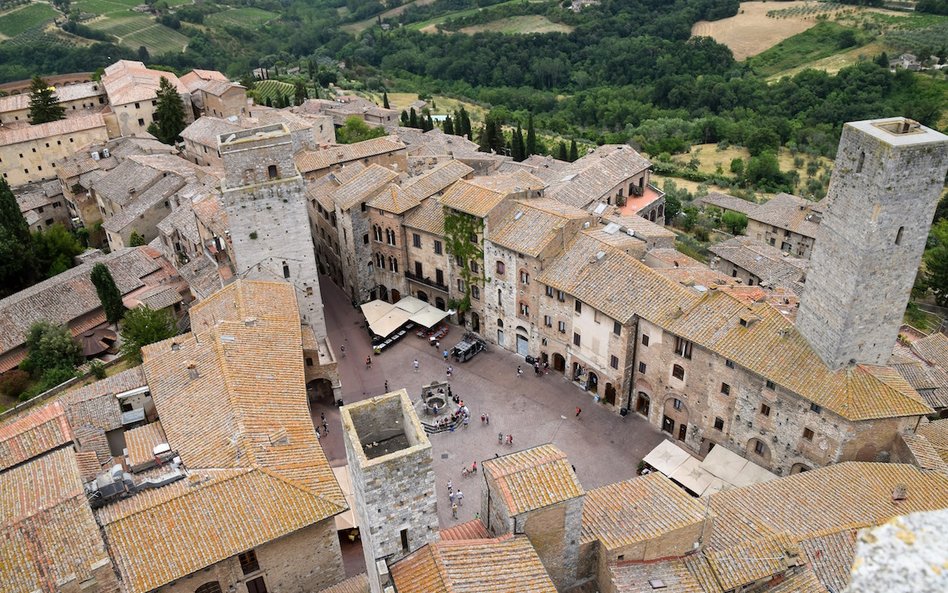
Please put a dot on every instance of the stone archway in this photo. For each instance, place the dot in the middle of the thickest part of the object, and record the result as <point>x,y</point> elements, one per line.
<point>475,322</point>
<point>759,452</point>
<point>559,362</point>
<point>643,403</point>
<point>439,303</point>
<point>319,389</point>
<point>799,468</point>
<point>592,382</point>
<point>609,395</point>
<point>422,296</point>
<point>383,292</point>
<point>396,296</point>
<point>675,417</point>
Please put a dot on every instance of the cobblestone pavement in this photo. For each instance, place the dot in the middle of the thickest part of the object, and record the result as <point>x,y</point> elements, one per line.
<point>602,446</point>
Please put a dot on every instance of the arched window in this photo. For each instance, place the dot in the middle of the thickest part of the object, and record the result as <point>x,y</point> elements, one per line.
<point>678,372</point>
<point>500,323</point>
<point>377,231</point>
<point>500,267</point>
<point>272,171</point>
<point>286,270</point>
<point>898,236</point>
<point>211,587</point>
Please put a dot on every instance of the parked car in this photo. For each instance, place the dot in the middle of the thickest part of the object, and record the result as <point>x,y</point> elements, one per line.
<point>467,348</point>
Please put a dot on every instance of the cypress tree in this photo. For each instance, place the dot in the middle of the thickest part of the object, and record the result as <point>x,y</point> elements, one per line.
<point>464,124</point>
<point>573,151</point>
<point>531,147</point>
<point>448,125</point>
<point>413,119</point>
<point>17,260</point>
<point>483,143</point>
<point>516,145</point>
<point>169,114</point>
<point>44,105</point>
<point>404,118</point>
<point>300,94</point>
<point>268,102</point>
<point>108,292</point>
<point>429,124</point>
<point>385,100</point>
<point>561,152</point>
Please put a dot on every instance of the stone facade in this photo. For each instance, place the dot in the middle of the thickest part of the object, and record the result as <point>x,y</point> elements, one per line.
<point>390,256</point>
<point>306,560</point>
<point>886,183</point>
<point>356,258</point>
<point>30,153</point>
<point>719,403</point>
<point>390,462</point>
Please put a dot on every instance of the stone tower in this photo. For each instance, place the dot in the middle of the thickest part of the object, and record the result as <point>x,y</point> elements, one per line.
<point>888,177</point>
<point>393,479</point>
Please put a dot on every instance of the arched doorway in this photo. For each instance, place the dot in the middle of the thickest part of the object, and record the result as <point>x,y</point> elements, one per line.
<point>422,296</point>
<point>439,303</point>
<point>758,450</point>
<point>799,468</point>
<point>592,384</point>
<point>396,296</point>
<point>319,389</point>
<point>642,403</point>
<point>559,363</point>
<point>475,322</point>
<point>523,342</point>
<point>383,292</point>
<point>610,394</point>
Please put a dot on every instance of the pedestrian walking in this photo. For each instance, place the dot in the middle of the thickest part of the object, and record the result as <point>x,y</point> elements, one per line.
<point>445,353</point>
<point>454,511</point>
<point>450,486</point>
<point>467,420</point>
<point>536,368</point>
<point>452,497</point>
<point>386,386</point>
<point>415,364</point>
<point>342,348</point>
<point>474,466</point>
<point>578,411</point>
<point>322,416</point>
<point>325,427</point>
<point>459,496</point>
<point>546,368</point>
<point>487,418</point>
<point>519,371</point>
<point>368,362</point>
<point>483,419</point>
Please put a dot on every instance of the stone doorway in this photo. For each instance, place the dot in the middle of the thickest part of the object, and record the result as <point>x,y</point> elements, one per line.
<point>610,394</point>
<point>559,363</point>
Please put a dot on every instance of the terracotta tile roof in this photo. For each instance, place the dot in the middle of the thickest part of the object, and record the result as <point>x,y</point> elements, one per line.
<point>470,530</point>
<point>472,198</point>
<point>766,262</point>
<point>436,180</point>
<point>34,434</point>
<point>637,577</point>
<point>363,186</point>
<point>127,81</point>
<point>752,560</point>
<point>183,221</point>
<point>934,349</point>
<point>15,135</point>
<point>501,565</point>
<point>141,442</point>
<point>202,276</point>
<point>805,581</point>
<point>154,196</point>
<point>784,211</point>
<point>930,381</point>
<point>316,160</point>
<point>394,199</point>
<point>47,532</point>
<point>823,501</point>
<point>831,558</point>
<point>356,584</point>
<point>322,190</point>
<point>199,521</point>
<point>211,213</point>
<point>428,217</point>
<point>729,202</point>
<point>532,479</point>
<point>925,455</point>
<point>595,174</point>
<point>206,129</point>
<point>70,295</point>
<point>936,433</point>
<point>636,510</point>
<point>125,182</point>
<point>531,225</point>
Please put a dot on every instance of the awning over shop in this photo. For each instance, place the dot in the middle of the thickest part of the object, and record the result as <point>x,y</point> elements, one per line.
<point>384,318</point>
<point>346,520</point>
<point>720,469</point>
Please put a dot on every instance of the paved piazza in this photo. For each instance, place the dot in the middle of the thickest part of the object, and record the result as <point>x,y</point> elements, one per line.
<point>603,447</point>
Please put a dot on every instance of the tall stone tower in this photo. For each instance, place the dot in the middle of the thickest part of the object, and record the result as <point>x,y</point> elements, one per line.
<point>888,177</point>
<point>393,479</point>
<point>265,200</point>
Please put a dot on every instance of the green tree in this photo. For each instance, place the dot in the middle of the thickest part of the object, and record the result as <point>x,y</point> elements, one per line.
<point>299,93</point>
<point>44,104</point>
<point>735,222</point>
<point>142,326</point>
<point>764,170</point>
<point>17,262</point>
<point>517,148</point>
<point>356,130</point>
<point>761,140</point>
<point>561,151</point>
<point>413,119</point>
<point>936,263</point>
<point>108,292</point>
<point>385,100</point>
<point>573,151</point>
<point>404,119</point>
<point>55,250</point>
<point>50,347</point>
<point>143,54</point>
<point>531,137</point>
<point>136,240</point>
<point>463,124</point>
<point>737,167</point>
<point>169,114</point>
<point>448,125</point>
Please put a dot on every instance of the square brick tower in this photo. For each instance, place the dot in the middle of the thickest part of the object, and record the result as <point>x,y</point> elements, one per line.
<point>265,200</point>
<point>393,480</point>
<point>888,177</point>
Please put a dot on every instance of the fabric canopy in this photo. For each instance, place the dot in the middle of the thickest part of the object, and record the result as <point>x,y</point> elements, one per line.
<point>720,469</point>
<point>385,318</point>
<point>346,520</point>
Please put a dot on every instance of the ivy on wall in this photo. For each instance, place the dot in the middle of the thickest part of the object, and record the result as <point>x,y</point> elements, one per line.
<point>462,234</point>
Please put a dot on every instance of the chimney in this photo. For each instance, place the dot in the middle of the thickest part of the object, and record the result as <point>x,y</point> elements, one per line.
<point>192,370</point>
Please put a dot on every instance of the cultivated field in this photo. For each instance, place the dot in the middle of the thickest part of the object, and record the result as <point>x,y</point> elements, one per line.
<point>710,157</point>
<point>140,30</point>
<point>272,89</point>
<point>520,25</point>
<point>22,18</point>
<point>443,105</point>
<point>248,18</point>
<point>836,62</point>
<point>751,31</point>
<point>360,26</point>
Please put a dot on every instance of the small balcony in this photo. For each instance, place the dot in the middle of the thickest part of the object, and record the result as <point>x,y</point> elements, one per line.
<point>426,281</point>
